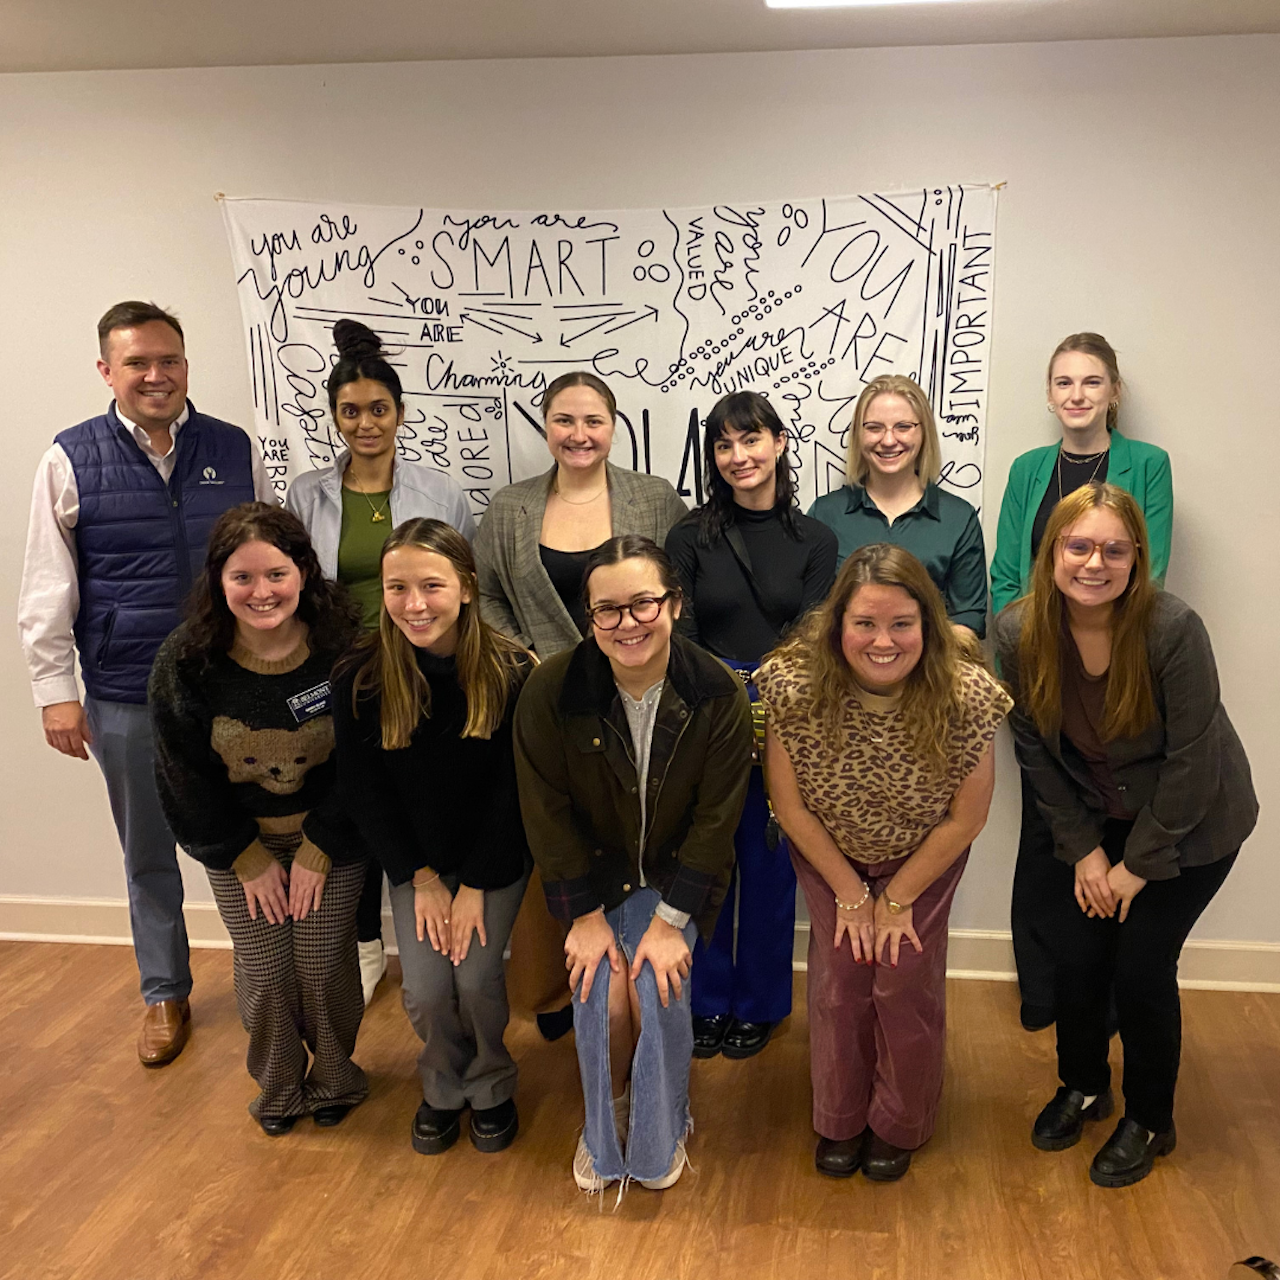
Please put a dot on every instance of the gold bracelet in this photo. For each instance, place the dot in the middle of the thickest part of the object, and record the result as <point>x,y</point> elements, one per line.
<point>895,908</point>
<point>423,884</point>
<point>853,906</point>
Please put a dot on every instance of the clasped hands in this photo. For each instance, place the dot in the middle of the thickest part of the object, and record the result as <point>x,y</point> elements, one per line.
<point>447,919</point>
<point>663,946</point>
<point>1102,890</point>
<point>873,929</point>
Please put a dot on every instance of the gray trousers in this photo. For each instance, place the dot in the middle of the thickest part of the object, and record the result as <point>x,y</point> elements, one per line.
<point>122,747</point>
<point>460,1014</point>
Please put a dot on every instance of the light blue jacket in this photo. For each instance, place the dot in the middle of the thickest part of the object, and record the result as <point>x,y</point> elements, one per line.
<point>416,491</point>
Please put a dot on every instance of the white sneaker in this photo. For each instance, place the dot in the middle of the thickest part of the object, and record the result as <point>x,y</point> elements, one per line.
<point>584,1169</point>
<point>373,964</point>
<point>672,1175</point>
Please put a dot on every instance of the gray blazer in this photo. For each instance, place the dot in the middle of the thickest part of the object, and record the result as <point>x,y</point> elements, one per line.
<point>1185,779</point>
<point>516,596</point>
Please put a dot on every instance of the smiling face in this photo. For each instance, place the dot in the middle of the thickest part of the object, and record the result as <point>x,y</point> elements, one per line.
<point>882,637</point>
<point>1090,578</point>
<point>891,436</point>
<point>146,368</point>
<point>366,417</point>
<point>634,649</point>
<point>424,596</point>
<point>1080,391</point>
<point>579,429</point>
<point>748,461</point>
<point>261,585</point>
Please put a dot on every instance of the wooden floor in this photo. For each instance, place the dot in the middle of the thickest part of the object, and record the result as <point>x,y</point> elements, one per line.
<point>111,1171</point>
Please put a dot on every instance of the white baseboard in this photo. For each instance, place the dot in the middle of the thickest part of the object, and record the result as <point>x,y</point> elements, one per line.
<point>985,954</point>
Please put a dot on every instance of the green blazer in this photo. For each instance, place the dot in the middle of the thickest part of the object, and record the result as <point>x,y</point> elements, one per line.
<point>1141,469</point>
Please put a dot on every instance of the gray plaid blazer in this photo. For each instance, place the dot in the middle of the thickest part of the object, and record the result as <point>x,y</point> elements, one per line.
<point>516,596</point>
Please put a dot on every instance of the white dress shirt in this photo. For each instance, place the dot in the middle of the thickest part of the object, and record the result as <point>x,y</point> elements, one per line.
<point>50,596</point>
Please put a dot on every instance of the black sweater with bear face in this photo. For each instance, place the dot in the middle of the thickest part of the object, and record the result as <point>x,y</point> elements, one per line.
<point>245,763</point>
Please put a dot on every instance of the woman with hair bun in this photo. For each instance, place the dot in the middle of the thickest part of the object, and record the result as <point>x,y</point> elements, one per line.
<point>879,762</point>
<point>1084,392</point>
<point>425,704</point>
<point>350,508</point>
<point>240,706</point>
<point>893,495</point>
<point>750,564</point>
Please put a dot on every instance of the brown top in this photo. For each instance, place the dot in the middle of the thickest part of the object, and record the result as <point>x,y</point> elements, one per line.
<point>1084,712</point>
<point>874,797</point>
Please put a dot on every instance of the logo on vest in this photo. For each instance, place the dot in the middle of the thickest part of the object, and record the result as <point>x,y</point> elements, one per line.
<point>210,476</point>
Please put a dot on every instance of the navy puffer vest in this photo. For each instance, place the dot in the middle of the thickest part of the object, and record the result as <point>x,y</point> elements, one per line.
<point>140,543</point>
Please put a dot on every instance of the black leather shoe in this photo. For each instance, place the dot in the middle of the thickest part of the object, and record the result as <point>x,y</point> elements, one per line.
<point>434,1131</point>
<point>746,1039</point>
<point>708,1034</point>
<point>1127,1156</point>
<point>1036,1017</point>
<point>327,1117</point>
<point>881,1160</point>
<point>277,1126</point>
<point>839,1157</point>
<point>551,1026</point>
<point>495,1128</point>
<point>1061,1123</point>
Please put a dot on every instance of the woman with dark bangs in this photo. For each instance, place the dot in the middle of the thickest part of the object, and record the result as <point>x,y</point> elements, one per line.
<point>423,715</point>
<point>750,564</point>
<point>240,705</point>
<point>1146,790</point>
<point>879,763</point>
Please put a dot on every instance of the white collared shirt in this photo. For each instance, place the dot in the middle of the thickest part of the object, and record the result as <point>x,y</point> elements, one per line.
<point>50,595</point>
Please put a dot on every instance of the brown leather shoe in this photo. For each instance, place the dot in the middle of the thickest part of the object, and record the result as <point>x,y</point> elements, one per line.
<point>164,1032</point>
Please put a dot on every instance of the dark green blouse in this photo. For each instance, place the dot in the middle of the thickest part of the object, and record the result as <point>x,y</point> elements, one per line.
<point>942,531</point>
<point>360,549</point>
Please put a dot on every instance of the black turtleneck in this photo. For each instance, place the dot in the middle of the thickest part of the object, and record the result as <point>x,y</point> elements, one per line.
<point>721,612</point>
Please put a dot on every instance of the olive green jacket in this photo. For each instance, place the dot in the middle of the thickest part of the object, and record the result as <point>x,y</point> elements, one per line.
<point>579,794</point>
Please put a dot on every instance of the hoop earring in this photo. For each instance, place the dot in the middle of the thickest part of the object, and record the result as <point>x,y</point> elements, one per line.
<point>1049,407</point>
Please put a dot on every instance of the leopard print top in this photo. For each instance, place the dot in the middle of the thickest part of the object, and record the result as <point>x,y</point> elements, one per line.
<point>864,786</point>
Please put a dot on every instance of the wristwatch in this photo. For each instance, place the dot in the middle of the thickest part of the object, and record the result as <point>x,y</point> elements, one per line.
<point>895,908</point>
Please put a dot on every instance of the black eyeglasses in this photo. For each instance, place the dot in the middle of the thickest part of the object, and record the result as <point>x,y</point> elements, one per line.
<point>608,617</point>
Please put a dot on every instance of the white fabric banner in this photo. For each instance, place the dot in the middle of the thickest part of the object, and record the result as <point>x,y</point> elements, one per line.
<point>804,301</point>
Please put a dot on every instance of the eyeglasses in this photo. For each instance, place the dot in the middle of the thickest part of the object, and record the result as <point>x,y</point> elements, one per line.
<point>1117,552</point>
<point>899,429</point>
<point>608,617</point>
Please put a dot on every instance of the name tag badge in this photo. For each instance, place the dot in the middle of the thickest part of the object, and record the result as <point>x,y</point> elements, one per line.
<point>310,702</point>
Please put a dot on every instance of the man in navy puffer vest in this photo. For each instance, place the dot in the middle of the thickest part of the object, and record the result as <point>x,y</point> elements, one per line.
<point>120,516</point>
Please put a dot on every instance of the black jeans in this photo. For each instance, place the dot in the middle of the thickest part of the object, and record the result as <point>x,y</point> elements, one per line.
<point>1140,957</point>
<point>369,912</point>
<point>1037,880</point>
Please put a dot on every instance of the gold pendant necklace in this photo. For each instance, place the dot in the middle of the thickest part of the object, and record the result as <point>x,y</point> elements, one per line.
<point>579,502</point>
<point>378,516</point>
<point>1100,456</point>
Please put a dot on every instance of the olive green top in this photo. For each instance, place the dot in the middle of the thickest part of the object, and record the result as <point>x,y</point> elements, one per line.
<point>360,549</point>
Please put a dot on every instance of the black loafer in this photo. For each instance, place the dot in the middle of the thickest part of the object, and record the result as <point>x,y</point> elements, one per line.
<point>277,1126</point>
<point>838,1157</point>
<point>708,1034</point>
<point>495,1128</point>
<point>882,1161</point>
<point>746,1039</point>
<point>1127,1156</point>
<point>335,1113</point>
<point>434,1131</point>
<point>1036,1017</point>
<point>1061,1123</point>
<point>551,1026</point>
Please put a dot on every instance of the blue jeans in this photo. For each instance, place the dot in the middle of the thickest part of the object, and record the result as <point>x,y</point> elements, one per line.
<point>659,1069</point>
<point>122,746</point>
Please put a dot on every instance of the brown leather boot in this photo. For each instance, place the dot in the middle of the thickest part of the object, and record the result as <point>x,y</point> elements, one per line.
<point>164,1032</point>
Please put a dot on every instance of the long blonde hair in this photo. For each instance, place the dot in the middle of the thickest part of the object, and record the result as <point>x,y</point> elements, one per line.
<point>931,698</point>
<point>1130,704</point>
<point>489,665</point>
<point>929,459</point>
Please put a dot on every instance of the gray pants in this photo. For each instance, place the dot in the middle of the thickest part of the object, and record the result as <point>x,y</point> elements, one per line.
<point>460,1014</point>
<point>122,747</point>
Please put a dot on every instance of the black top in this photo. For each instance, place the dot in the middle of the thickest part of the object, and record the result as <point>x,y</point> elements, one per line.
<point>234,744</point>
<point>565,569</point>
<point>444,801</point>
<point>1075,473</point>
<point>720,610</point>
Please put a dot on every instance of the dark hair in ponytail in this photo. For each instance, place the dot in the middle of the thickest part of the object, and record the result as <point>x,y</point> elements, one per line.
<point>360,355</point>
